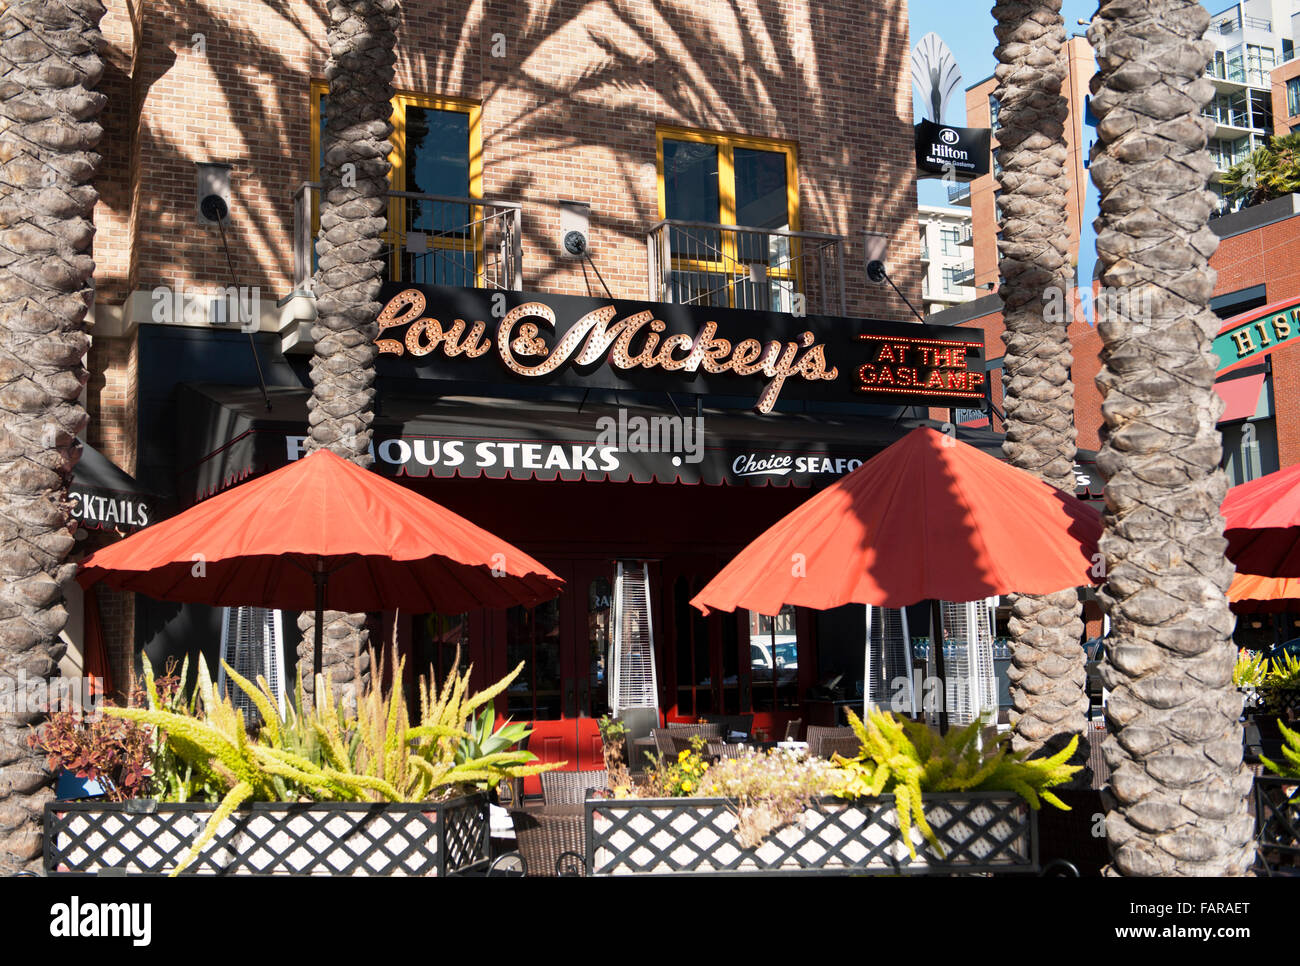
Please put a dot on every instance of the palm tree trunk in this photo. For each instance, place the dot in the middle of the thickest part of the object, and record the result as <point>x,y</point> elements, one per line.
<point>1178,796</point>
<point>1048,676</point>
<point>353,219</point>
<point>49,65</point>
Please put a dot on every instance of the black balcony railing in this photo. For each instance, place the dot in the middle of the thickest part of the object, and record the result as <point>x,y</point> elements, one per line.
<point>431,239</point>
<point>702,263</point>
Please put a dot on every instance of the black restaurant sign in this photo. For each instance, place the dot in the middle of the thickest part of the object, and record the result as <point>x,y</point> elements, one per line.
<point>944,149</point>
<point>484,336</point>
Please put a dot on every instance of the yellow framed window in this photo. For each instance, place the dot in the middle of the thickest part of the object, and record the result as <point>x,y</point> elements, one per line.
<point>731,195</point>
<point>437,155</point>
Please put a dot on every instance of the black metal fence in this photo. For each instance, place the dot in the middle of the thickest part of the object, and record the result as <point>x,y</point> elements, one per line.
<point>981,832</point>
<point>1277,821</point>
<point>268,838</point>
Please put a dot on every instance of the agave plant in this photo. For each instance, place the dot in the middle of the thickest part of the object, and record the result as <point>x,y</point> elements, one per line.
<point>484,738</point>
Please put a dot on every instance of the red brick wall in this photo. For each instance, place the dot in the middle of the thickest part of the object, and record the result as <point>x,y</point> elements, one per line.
<point>111,399</point>
<point>569,113</point>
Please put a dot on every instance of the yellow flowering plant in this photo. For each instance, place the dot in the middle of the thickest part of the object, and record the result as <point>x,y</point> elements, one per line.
<point>676,778</point>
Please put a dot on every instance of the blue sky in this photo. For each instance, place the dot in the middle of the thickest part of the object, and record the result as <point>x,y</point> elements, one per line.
<point>966,26</point>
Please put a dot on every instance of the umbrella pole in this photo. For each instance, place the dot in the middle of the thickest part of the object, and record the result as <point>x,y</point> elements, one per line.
<point>319,578</point>
<point>936,651</point>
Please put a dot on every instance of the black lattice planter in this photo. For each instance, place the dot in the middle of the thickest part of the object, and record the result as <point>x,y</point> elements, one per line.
<point>1277,823</point>
<point>980,832</point>
<point>268,838</point>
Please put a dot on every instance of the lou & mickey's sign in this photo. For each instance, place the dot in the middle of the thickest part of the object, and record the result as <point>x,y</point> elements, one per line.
<point>436,332</point>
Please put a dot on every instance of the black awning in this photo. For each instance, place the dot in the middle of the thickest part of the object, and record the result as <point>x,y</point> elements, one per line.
<point>229,436</point>
<point>106,497</point>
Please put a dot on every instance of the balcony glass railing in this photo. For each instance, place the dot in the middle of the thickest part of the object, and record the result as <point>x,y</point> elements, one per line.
<point>703,263</point>
<point>958,192</point>
<point>439,240</point>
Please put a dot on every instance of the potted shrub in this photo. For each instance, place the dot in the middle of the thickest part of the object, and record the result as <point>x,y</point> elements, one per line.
<point>613,743</point>
<point>910,801</point>
<point>330,790</point>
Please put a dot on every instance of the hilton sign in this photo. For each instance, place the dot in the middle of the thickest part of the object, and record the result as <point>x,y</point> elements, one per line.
<point>436,332</point>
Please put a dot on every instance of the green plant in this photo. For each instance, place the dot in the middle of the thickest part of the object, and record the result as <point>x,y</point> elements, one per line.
<point>1249,670</point>
<point>1290,765</point>
<point>1280,683</point>
<point>484,739</point>
<point>1267,172</point>
<point>908,758</point>
<point>329,754</point>
<point>611,729</point>
<point>679,777</point>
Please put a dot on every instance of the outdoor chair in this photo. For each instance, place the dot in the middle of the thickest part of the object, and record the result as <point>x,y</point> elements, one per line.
<point>664,746</point>
<point>733,724</point>
<point>818,733</point>
<point>792,729</point>
<point>571,787</point>
<point>846,746</point>
<point>706,730</point>
<point>551,842</point>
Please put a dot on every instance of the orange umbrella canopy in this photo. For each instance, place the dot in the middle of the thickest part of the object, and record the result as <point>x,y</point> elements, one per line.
<point>264,542</point>
<point>1252,594</point>
<point>929,518</point>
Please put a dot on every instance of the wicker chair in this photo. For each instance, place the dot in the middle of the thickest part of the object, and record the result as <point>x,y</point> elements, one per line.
<point>664,743</point>
<point>844,746</point>
<point>708,730</point>
<point>552,843</point>
<point>571,787</point>
<point>818,733</point>
<point>733,723</point>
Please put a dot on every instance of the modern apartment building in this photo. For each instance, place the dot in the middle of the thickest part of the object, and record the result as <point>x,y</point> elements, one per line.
<point>947,244</point>
<point>1251,39</point>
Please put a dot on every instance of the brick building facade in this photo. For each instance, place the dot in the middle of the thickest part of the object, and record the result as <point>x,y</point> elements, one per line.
<point>566,102</point>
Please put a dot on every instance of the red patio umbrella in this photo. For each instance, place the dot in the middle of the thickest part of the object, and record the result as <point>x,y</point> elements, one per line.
<point>1261,520</point>
<point>929,518</point>
<point>277,540</point>
<point>1253,594</point>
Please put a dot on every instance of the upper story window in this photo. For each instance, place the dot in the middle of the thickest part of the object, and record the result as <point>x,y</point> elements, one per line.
<point>951,238</point>
<point>436,151</point>
<point>1259,61</point>
<point>1293,96</point>
<point>995,109</point>
<point>740,192</point>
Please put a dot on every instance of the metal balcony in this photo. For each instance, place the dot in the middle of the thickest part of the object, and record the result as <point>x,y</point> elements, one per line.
<point>959,194</point>
<point>432,239</point>
<point>967,236</point>
<point>703,263</point>
<point>964,275</point>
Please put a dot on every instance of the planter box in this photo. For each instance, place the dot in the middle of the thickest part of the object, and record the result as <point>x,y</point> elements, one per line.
<point>144,837</point>
<point>981,831</point>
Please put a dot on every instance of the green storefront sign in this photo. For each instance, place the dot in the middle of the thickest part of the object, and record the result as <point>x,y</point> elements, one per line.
<point>1251,336</point>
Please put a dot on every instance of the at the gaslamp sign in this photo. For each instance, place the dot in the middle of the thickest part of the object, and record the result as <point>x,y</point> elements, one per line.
<point>909,365</point>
